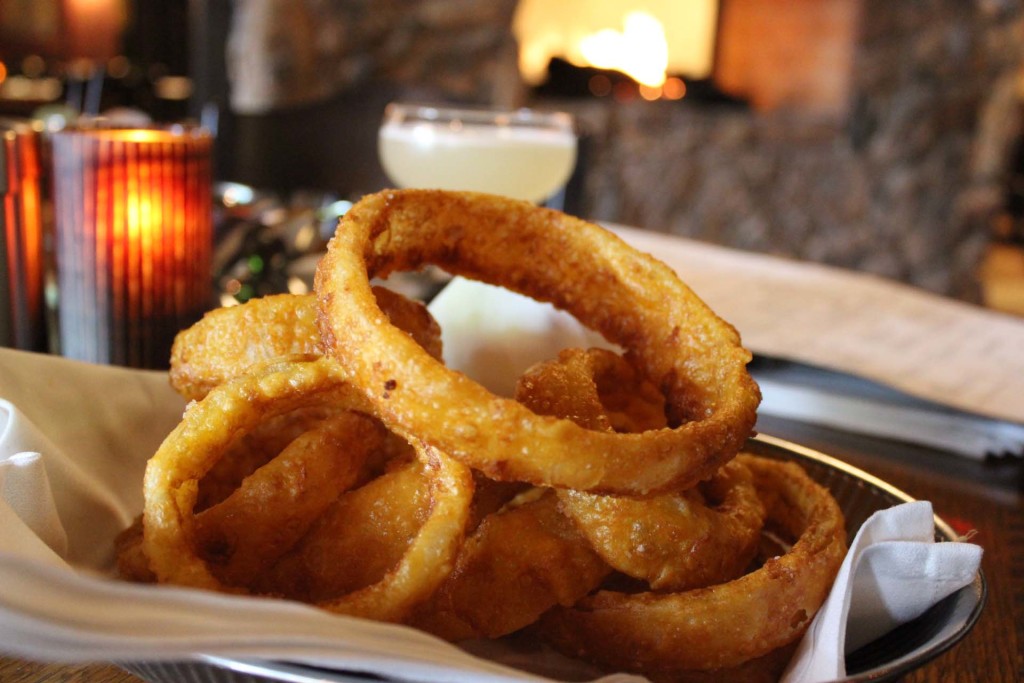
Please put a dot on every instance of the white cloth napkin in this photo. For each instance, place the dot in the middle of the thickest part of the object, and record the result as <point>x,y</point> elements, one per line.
<point>74,439</point>
<point>893,572</point>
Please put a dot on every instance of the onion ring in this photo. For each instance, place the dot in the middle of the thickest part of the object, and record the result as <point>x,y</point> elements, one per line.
<point>208,426</point>
<point>595,388</point>
<point>631,403</point>
<point>566,388</point>
<point>674,541</point>
<point>530,555</point>
<point>726,625</point>
<point>357,540</point>
<point>678,541</point>
<point>275,506</point>
<point>228,341</point>
<point>256,448</point>
<point>691,355</point>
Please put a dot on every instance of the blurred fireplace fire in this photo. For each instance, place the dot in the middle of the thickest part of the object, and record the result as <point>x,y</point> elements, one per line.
<point>768,53</point>
<point>616,48</point>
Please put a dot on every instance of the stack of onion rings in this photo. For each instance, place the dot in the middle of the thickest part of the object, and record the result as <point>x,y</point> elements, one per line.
<point>173,473</point>
<point>674,339</point>
<point>329,456</point>
<point>672,541</point>
<point>727,624</point>
<point>691,556</point>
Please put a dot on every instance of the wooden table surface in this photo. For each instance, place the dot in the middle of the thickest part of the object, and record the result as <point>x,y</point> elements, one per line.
<point>983,497</point>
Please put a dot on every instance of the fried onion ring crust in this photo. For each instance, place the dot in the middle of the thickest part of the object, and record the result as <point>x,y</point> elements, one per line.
<point>724,625</point>
<point>228,341</point>
<point>256,448</point>
<point>674,541</point>
<point>429,557</point>
<point>520,562</point>
<point>207,428</point>
<point>361,537</point>
<point>246,533</point>
<point>692,356</point>
<point>680,541</point>
<point>630,402</point>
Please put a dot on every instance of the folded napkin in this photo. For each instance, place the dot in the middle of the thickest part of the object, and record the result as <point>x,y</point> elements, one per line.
<point>74,439</point>
<point>893,572</point>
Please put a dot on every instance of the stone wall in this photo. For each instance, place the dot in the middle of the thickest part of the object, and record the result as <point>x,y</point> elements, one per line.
<point>904,185</point>
<point>289,53</point>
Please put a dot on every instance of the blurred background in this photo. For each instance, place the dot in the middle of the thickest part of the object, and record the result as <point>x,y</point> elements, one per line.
<point>880,136</point>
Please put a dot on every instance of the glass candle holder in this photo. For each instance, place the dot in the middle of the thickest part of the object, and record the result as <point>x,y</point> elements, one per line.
<point>22,306</point>
<point>133,217</point>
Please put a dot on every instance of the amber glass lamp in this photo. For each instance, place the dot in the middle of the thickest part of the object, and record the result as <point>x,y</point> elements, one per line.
<point>133,227</point>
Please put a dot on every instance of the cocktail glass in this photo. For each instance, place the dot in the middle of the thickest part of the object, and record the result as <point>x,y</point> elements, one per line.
<point>522,153</point>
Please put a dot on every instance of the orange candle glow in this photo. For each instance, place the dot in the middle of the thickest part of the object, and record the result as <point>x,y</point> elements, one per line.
<point>133,216</point>
<point>22,313</point>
